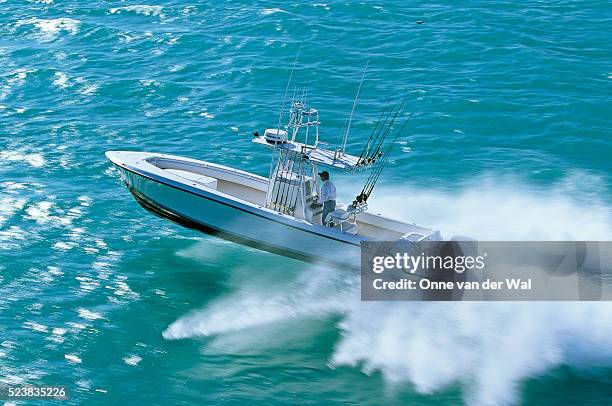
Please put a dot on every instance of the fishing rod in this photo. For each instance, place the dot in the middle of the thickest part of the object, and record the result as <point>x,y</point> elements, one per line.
<point>366,149</point>
<point>290,187</point>
<point>377,171</point>
<point>384,160</point>
<point>376,155</point>
<point>367,158</point>
<point>295,195</point>
<point>365,192</point>
<point>379,139</point>
<point>362,197</point>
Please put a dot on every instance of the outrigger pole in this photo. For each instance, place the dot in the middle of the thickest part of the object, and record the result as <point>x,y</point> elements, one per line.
<point>280,115</point>
<point>348,127</point>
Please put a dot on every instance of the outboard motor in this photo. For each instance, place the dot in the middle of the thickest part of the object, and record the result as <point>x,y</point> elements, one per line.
<point>456,247</point>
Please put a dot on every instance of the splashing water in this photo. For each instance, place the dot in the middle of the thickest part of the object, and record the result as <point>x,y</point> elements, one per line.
<point>86,284</point>
<point>572,209</point>
<point>248,307</point>
<point>488,348</point>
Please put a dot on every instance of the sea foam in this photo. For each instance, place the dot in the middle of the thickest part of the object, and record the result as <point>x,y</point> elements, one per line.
<point>49,29</point>
<point>139,9</point>
<point>489,349</point>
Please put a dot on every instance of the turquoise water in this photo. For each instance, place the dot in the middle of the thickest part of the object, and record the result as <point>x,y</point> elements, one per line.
<point>510,139</point>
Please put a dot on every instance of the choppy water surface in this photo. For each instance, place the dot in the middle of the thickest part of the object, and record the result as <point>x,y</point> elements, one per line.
<point>510,139</point>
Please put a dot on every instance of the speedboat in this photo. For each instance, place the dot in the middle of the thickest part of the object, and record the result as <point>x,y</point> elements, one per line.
<point>278,213</point>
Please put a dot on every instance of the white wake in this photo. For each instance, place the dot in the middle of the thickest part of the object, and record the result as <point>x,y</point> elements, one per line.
<point>489,349</point>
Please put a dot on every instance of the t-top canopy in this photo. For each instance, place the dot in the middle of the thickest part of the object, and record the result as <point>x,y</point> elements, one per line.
<point>317,155</point>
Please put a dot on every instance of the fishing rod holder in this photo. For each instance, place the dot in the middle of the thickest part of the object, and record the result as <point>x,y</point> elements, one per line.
<point>368,161</point>
<point>360,204</point>
<point>357,208</point>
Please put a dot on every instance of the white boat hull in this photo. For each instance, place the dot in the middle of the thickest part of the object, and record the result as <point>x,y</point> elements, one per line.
<point>217,214</point>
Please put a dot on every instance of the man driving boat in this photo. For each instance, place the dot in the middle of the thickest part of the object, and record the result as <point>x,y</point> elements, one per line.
<point>328,196</point>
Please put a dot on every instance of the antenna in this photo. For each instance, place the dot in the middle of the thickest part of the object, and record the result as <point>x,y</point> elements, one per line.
<point>280,115</point>
<point>348,127</point>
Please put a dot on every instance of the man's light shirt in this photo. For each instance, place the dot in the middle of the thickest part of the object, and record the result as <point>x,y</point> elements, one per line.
<point>328,191</point>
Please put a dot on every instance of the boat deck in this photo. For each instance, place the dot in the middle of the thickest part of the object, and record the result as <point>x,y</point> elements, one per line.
<point>252,188</point>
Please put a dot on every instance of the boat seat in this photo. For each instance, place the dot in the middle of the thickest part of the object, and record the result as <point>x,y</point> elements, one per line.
<point>195,177</point>
<point>338,216</point>
<point>340,219</point>
<point>412,236</point>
